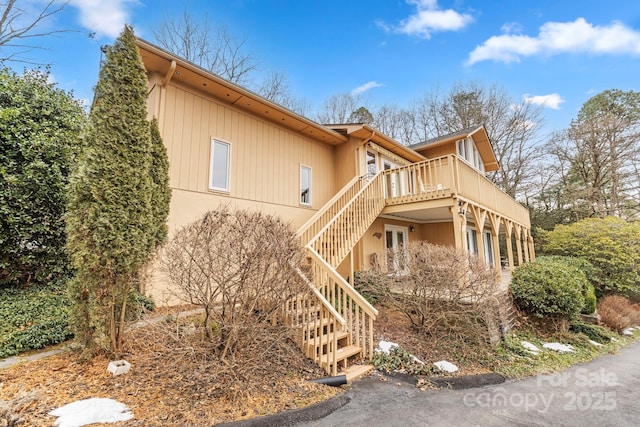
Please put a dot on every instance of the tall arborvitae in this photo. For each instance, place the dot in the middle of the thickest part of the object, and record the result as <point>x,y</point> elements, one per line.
<point>161,193</point>
<point>111,227</point>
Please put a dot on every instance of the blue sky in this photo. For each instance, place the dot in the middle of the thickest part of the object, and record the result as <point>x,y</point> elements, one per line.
<point>558,53</point>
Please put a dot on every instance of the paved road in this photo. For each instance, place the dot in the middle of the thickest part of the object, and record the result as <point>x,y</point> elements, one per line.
<point>605,392</point>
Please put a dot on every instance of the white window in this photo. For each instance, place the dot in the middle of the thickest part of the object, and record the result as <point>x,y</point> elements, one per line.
<point>488,249</point>
<point>305,185</point>
<point>487,240</point>
<point>219,173</point>
<point>468,151</point>
<point>472,241</point>
<point>462,148</point>
<point>372,163</point>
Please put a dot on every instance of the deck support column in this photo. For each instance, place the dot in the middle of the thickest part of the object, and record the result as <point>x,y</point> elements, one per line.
<point>479,217</point>
<point>518,231</point>
<point>508,226</point>
<point>494,220</point>
<point>459,229</point>
<point>532,248</point>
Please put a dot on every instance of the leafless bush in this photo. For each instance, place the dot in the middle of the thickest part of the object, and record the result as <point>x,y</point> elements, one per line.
<point>11,410</point>
<point>618,312</point>
<point>237,265</point>
<point>446,292</point>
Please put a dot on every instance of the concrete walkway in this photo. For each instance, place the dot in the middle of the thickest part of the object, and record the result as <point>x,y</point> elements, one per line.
<point>15,360</point>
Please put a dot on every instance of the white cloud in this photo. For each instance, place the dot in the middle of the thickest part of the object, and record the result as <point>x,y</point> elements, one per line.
<point>553,100</point>
<point>555,38</point>
<point>429,18</point>
<point>511,28</point>
<point>104,17</point>
<point>365,87</point>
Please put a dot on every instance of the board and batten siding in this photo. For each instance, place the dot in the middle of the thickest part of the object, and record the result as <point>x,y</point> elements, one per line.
<point>265,159</point>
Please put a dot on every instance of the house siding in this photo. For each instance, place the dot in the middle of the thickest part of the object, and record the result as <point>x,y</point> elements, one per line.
<point>264,162</point>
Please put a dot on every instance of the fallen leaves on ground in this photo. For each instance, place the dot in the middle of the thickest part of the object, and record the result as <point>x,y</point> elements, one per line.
<point>177,387</point>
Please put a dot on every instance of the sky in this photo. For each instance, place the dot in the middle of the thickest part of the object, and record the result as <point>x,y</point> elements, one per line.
<point>552,53</point>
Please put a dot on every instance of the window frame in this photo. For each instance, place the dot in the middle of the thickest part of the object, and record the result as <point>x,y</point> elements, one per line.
<point>468,151</point>
<point>400,267</point>
<point>309,202</point>
<point>212,187</point>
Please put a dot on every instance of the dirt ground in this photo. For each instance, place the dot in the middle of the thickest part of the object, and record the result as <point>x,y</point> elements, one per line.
<point>178,387</point>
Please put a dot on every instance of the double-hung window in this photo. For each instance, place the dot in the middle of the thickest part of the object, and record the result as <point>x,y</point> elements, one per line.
<point>305,185</point>
<point>220,159</point>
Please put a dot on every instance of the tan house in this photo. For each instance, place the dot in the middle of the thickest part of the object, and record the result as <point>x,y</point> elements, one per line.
<point>351,191</point>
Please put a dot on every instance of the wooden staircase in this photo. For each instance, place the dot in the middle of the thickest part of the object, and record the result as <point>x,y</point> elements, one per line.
<point>333,323</point>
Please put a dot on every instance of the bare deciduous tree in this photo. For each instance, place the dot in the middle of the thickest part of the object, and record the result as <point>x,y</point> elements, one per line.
<point>19,28</point>
<point>601,153</point>
<point>212,48</point>
<point>338,108</point>
<point>237,265</point>
<point>275,88</point>
<point>512,127</point>
<point>396,122</point>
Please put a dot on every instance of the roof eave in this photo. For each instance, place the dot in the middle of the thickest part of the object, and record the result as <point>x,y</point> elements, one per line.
<point>174,67</point>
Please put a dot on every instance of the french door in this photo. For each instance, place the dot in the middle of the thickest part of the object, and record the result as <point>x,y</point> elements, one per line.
<point>396,241</point>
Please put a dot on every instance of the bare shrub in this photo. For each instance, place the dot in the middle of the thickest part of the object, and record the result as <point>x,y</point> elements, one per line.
<point>446,293</point>
<point>618,313</point>
<point>237,266</point>
<point>12,411</point>
<point>174,345</point>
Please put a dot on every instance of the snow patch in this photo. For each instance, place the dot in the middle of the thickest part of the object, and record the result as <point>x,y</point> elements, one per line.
<point>628,331</point>
<point>415,359</point>
<point>89,411</point>
<point>597,344</point>
<point>560,348</point>
<point>443,365</point>
<point>385,346</point>
<point>532,348</point>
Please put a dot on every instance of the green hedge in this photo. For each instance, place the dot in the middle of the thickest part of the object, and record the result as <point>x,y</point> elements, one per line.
<point>32,318</point>
<point>549,286</point>
<point>611,245</point>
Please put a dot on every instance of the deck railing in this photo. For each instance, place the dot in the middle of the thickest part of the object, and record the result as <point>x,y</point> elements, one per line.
<point>446,177</point>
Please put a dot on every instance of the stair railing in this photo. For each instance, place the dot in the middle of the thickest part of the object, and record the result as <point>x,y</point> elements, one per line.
<point>351,306</point>
<point>330,209</point>
<point>340,234</point>
<point>309,312</point>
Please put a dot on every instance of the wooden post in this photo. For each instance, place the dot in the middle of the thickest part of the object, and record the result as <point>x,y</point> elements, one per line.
<point>518,231</point>
<point>508,225</point>
<point>457,228</point>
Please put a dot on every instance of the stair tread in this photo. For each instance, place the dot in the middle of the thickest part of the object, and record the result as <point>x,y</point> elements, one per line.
<point>342,353</point>
<point>356,371</point>
<point>339,335</point>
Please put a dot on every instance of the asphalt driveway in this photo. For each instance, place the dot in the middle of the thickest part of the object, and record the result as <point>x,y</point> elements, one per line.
<point>605,392</point>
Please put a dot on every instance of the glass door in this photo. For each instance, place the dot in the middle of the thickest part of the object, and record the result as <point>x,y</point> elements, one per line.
<point>396,240</point>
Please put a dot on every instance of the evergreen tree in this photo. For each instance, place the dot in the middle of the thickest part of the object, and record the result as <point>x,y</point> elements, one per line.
<point>39,128</point>
<point>111,228</point>
<point>161,193</point>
